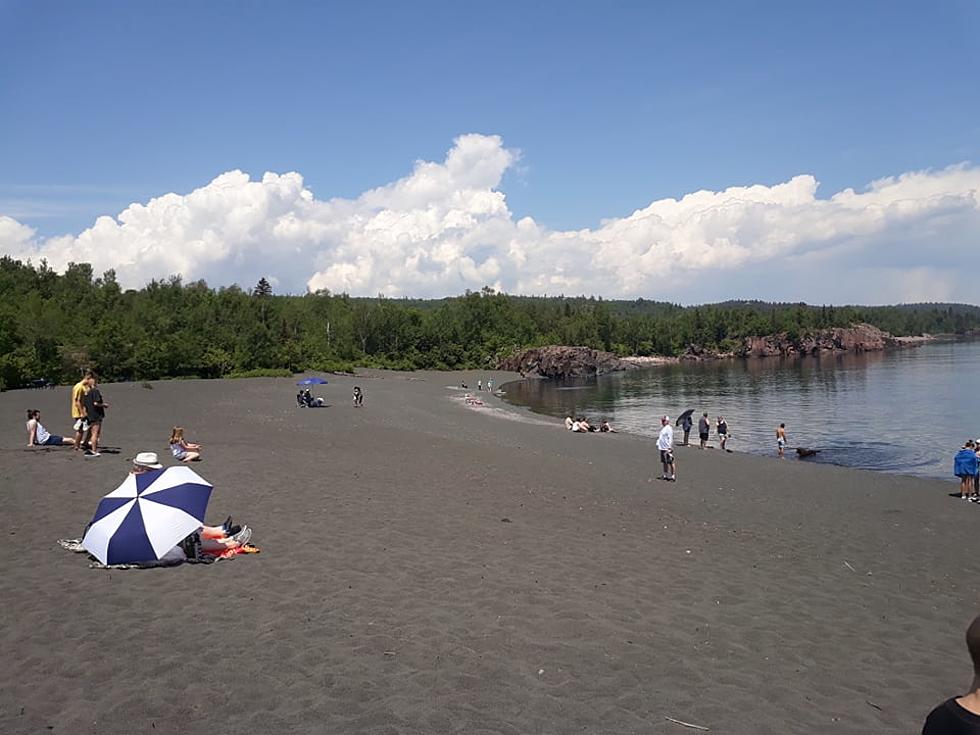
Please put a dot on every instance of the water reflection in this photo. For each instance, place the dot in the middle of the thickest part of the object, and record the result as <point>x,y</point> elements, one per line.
<point>896,411</point>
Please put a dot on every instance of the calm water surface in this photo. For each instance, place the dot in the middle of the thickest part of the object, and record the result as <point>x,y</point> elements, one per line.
<point>905,411</point>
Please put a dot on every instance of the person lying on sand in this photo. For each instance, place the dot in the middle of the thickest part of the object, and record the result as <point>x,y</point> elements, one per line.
<point>38,436</point>
<point>472,400</point>
<point>183,450</point>
<point>960,715</point>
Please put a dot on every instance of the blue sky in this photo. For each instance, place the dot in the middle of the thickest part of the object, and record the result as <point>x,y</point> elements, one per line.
<point>612,106</point>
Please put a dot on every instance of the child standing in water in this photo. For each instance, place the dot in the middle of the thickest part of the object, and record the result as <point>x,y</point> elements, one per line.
<point>182,449</point>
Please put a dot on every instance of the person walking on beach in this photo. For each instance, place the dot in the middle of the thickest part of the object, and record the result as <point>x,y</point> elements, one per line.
<point>722,432</point>
<point>704,429</point>
<point>94,415</point>
<point>687,424</point>
<point>665,443</point>
<point>781,440</point>
<point>965,466</point>
<point>960,715</point>
<point>78,408</point>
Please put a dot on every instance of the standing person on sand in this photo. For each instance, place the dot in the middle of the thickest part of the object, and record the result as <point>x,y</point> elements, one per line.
<point>960,715</point>
<point>965,466</point>
<point>781,440</point>
<point>78,407</point>
<point>665,443</point>
<point>704,429</point>
<point>479,384</point>
<point>490,385</point>
<point>94,414</point>
<point>687,423</point>
<point>722,432</point>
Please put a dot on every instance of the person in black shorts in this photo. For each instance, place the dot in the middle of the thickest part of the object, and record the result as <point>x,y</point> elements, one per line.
<point>704,429</point>
<point>960,715</point>
<point>94,414</point>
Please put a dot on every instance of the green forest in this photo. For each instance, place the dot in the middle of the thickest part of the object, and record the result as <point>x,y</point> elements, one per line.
<point>54,325</point>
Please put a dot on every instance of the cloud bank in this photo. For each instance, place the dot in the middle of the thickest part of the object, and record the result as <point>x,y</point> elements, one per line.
<point>446,227</point>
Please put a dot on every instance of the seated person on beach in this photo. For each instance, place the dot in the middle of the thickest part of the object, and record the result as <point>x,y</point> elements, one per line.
<point>38,436</point>
<point>182,449</point>
<point>605,427</point>
<point>358,398</point>
<point>310,401</point>
<point>569,421</point>
<point>960,715</point>
<point>472,400</point>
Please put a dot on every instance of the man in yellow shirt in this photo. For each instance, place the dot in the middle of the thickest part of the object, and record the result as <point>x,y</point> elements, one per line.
<point>78,393</point>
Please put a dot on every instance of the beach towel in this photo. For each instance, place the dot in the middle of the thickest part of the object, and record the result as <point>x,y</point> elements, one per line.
<point>75,545</point>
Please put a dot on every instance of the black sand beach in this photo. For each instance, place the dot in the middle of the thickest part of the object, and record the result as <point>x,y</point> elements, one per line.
<point>430,568</point>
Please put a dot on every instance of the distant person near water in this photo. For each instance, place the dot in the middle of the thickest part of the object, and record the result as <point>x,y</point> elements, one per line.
<point>479,384</point>
<point>665,443</point>
<point>605,428</point>
<point>38,436</point>
<point>960,715</point>
<point>358,397</point>
<point>704,429</point>
<point>569,421</point>
<point>722,432</point>
<point>183,450</point>
<point>965,466</point>
<point>490,385</point>
<point>94,415</point>
<point>781,440</point>
<point>687,423</point>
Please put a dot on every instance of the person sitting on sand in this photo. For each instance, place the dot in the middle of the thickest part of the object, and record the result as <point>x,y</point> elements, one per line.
<point>182,449</point>
<point>38,436</point>
<point>965,465</point>
<point>960,715</point>
<point>569,421</point>
<point>358,396</point>
<point>472,400</point>
<point>604,427</point>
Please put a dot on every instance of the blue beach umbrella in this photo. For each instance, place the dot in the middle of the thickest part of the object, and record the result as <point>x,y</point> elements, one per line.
<point>147,516</point>
<point>312,381</point>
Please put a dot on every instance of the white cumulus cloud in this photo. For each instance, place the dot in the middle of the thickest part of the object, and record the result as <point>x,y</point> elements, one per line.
<point>446,227</point>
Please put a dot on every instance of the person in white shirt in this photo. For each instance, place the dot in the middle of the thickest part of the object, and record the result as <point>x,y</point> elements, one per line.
<point>569,421</point>
<point>665,443</point>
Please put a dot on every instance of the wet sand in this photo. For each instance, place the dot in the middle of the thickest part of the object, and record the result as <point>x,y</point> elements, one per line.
<point>430,568</point>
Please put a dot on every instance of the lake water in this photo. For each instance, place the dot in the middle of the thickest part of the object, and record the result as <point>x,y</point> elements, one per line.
<point>904,411</point>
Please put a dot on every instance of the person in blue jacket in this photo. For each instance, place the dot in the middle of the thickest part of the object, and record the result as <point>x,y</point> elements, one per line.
<point>965,467</point>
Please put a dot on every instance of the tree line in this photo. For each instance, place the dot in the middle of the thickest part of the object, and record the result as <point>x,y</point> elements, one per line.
<point>53,325</point>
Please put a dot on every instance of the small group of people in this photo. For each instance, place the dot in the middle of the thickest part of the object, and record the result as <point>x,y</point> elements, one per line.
<point>704,430</point>
<point>88,410</point>
<point>479,385</point>
<point>306,399</point>
<point>581,425</point>
<point>88,413</point>
<point>966,466</point>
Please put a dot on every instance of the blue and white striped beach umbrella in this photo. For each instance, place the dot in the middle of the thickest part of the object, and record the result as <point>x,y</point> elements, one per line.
<point>147,516</point>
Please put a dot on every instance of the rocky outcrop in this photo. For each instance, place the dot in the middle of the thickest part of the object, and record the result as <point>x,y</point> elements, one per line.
<point>563,362</point>
<point>858,338</point>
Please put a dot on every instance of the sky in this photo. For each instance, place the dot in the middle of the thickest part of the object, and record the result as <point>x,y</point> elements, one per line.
<point>693,152</point>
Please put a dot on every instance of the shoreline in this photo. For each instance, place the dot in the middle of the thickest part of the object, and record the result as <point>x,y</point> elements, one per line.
<point>427,570</point>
